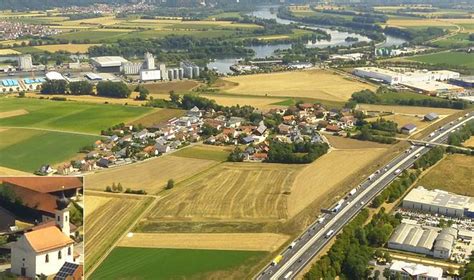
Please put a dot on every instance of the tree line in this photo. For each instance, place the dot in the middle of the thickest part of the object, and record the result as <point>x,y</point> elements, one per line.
<point>295,153</point>
<point>104,88</point>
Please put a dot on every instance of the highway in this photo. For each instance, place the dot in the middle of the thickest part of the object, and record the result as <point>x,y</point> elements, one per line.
<point>327,225</point>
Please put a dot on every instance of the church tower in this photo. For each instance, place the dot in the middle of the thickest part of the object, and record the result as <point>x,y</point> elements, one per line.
<point>62,214</point>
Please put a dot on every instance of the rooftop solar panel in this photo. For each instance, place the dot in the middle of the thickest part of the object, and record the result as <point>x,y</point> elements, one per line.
<point>66,270</point>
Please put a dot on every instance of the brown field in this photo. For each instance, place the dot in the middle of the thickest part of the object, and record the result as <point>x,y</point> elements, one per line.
<point>231,191</point>
<point>339,142</point>
<point>318,84</point>
<point>5,171</point>
<point>108,222</point>
<point>8,51</point>
<point>454,174</point>
<point>150,175</point>
<point>402,120</point>
<point>418,22</point>
<point>260,103</point>
<point>159,116</point>
<point>93,202</point>
<point>469,142</point>
<point>318,179</point>
<point>211,241</point>
<point>166,87</point>
<point>408,110</point>
<point>72,48</point>
<point>13,113</point>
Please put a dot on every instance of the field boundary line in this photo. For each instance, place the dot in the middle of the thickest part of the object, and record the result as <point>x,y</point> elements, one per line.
<point>132,225</point>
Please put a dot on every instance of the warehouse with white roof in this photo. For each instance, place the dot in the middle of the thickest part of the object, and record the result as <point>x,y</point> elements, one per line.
<point>439,202</point>
<point>108,63</point>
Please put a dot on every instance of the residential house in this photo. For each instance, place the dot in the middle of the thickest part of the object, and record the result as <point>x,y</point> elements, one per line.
<point>162,148</point>
<point>333,128</point>
<point>103,162</point>
<point>284,128</point>
<point>194,112</point>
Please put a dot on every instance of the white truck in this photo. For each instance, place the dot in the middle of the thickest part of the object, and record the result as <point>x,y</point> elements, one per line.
<point>371,177</point>
<point>353,191</point>
<point>292,245</point>
<point>398,171</point>
<point>329,233</point>
<point>321,220</point>
<point>417,155</point>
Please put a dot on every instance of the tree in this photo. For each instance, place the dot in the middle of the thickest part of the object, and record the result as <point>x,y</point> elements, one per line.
<point>174,98</point>
<point>80,88</point>
<point>108,189</point>
<point>54,87</point>
<point>170,184</point>
<point>377,275</point>
<point>386,273</point>
<point>143,93</point>
<point>113,89</point>
<point>119,187</point>
<point>236,155</point>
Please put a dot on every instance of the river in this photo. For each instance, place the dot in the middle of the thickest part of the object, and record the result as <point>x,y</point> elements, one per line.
<point>338,38</point>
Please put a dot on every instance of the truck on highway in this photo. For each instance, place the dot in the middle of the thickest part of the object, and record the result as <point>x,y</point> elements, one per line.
<point>432,134</point>
<point>417,155</point>
<point>338,206</point>
<point>292,245</point>
<point>277,260</point>
<point>397,171</point>
<point>353,191</point>
<point>371,177</point>
<point>288,275</point>
<point>321,220</point>
<point>329,233</point>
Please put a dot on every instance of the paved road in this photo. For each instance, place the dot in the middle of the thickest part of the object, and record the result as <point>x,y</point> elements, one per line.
<point>318,234</point>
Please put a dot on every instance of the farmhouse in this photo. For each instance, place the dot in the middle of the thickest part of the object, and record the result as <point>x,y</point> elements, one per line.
<point>431,117</point>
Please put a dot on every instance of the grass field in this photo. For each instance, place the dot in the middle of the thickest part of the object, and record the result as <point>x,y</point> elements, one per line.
<point>211,241</point>
<point>449,58</point>
<point>206,152</point>
<point>402,120</point>
<point>67,116</point>
<point>108,222</point>
<point>460,179</point>
<point>318,84</point>
<point>150,263</point>
<point>28,149</point>
<point>469,142</point>
<point>231,191</point>
<point>72,48</point>
<point>150,175</point>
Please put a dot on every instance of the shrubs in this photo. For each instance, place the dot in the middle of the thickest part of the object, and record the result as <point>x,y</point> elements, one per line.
<point>236,155</point>
<point>118,188</point>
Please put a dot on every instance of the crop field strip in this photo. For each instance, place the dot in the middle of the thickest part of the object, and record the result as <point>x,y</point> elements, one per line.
<point>231,191</point>
<point>107,223</point>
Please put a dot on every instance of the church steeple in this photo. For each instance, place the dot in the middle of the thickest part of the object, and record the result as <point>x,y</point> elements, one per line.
<point>62,214</point>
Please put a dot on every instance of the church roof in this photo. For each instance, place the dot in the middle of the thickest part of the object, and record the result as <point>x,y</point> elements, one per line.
<point>46,184</point>
<point>48,238</point>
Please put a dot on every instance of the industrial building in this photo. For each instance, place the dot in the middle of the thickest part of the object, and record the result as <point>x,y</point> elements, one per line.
<point>431,117</point>
<point>408,129</point>
<point>109,64</point>
<point>432,87</point>
<point>150,75</point>
<point>25,62</point>
<point>439,202</point>
<point>404,76</point>
<point>190,70</point>
<point>131,68</point>
<point>55,76</point>
<point>466,82</point>
<point>413,271</point>
<point>163,71</point>
<point>175,74</point>
<point>149,63</point>
<point>427,241</point>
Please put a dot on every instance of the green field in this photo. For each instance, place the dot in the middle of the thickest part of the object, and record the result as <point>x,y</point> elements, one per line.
<point>450,58</point>
<point>203,152</point>
<point>460,40</point>
<point>150,263</point>
<point>28,149</point>
<point>94,36</point>
<point>67,116</point>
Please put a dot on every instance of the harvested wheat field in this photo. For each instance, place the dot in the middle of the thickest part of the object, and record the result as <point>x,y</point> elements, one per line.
<point>261,103</point>
<point>407,110</point>
<point>220,241</point>
<point>93,202</point>
<point>13,113</point>
<point>469,142</point>
<point>158,116</point>
<point>8,52</point>
<point>339,142</point>
<point>150,175</point>
<point>319,84</point>
<point>231,191</point>
<point>460,179</point>
<point>419,22</point>
<point>317,180</point>
<point>109,221</point>
<point>72,48</point>
<point>166,87</point>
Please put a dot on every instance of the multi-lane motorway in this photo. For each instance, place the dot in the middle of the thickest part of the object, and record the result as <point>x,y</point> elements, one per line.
<point>318,234</point>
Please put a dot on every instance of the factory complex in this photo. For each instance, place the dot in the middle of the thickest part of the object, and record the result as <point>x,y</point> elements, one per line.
<point>423,81</point>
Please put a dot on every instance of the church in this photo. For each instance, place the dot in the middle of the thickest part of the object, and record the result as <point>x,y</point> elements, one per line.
<point>47,247</point>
